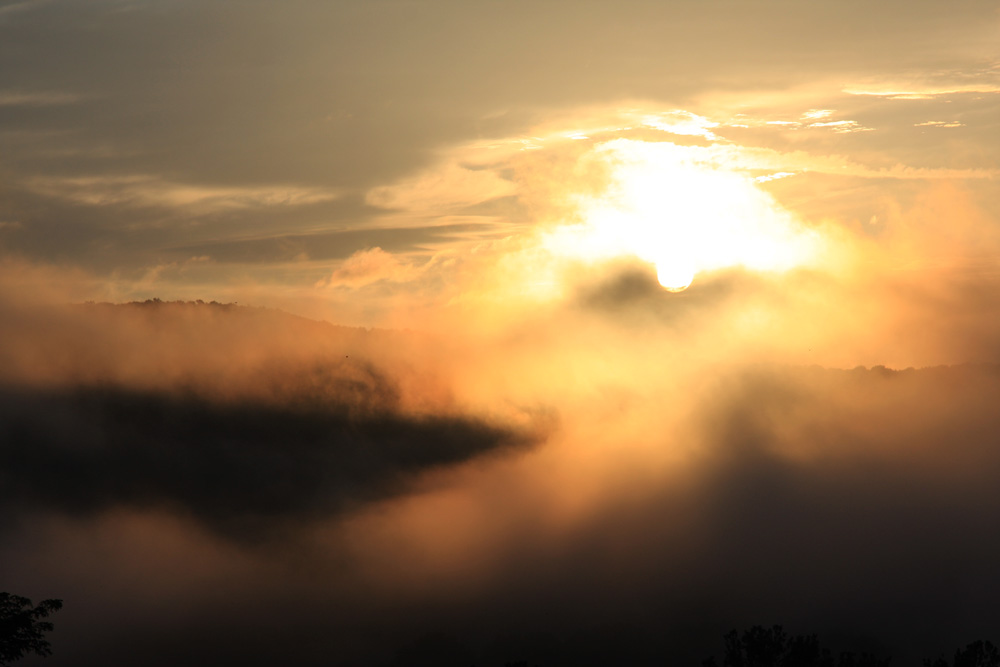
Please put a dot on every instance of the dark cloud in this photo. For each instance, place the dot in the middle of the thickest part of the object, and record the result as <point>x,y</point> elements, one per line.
<point>853,501</point>
<point>241,417</point>
<point>631,292</point>
<point>624,287</point>
<point>856,504</point>
<point>232,465</point>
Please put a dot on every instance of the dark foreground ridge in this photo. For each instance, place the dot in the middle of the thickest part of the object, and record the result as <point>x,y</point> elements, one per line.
<point>236,466</point>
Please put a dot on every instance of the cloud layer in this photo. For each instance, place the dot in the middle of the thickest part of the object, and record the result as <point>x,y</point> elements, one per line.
<point>392,498</point>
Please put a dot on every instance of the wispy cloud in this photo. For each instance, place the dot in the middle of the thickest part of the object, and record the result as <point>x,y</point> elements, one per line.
<point>753,158</point>
<point>773,177</point>
<point>816,114</point>
<point>678,121</point>
<point>940,123</point>
<point>813,119</point>
<point>24,5</point>
<point>155,191</point>
<point>974,78</point>
<point>920,92</point>
<point>12,98</point>
<point>442,188</point>
<point>843,126</point>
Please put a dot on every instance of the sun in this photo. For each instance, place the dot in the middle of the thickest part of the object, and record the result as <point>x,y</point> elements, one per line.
<point>676,208</point>
<point>675,276</point>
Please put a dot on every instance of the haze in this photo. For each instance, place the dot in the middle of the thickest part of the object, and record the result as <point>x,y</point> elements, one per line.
<point>426,332</point>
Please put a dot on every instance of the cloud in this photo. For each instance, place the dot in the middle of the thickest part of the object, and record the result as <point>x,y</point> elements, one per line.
<point>338,244</point>
<point>977,77</point>
<point>939,123</point>
<point>842,126</point>
<point>11,98</point>
<point>818,113</point>
<point>811,119</point>
<point>681,122</point>
<point>154,191</point>
<point>771,177</point>
<point>240,467</point>
<point>835,165</point>
<point>922,92</point>
<point>439,189</point>
<point>241,418</point>
<point>499,490</point>
<point>795,496</point>
<point>820,499</point>
<point>23,5</point>
<point>368,266</point>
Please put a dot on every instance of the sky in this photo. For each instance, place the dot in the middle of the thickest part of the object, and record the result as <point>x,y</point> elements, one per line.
<point>577,333</point>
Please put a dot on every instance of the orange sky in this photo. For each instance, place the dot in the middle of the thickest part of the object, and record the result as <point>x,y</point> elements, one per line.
<point>344,160</point>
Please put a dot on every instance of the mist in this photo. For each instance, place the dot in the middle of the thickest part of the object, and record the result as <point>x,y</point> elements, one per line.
<point>615,477</point>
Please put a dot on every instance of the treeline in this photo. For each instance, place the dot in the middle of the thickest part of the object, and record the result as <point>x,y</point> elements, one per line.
<point>772,647</point>
<point>23,630</point>
<point>159,302</point>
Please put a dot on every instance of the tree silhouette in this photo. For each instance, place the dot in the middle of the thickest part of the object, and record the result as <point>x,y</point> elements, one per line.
<point>863,660</point>
<point>976,654</point>
<point>21,630</point>
<point>764,647</point>
<point>772,647</point>
<point>804,651</point>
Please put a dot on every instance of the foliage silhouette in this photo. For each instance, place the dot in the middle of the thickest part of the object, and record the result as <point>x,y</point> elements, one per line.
<point>977,654</point>
<point>863,660</point>
<point>772,647</point>
<point>21,630</point>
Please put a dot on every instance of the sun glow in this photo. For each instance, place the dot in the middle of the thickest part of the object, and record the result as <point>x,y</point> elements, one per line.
<point>669,206</point>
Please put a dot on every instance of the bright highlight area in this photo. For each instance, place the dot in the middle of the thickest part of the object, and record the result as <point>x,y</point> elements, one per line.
<point>670,206</point>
